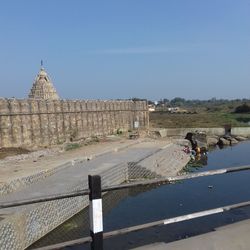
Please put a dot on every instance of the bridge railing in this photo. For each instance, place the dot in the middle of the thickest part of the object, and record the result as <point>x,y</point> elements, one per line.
<point>95,191</point>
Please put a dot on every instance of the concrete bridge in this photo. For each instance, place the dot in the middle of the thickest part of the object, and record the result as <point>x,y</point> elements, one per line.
<point>231,237</point>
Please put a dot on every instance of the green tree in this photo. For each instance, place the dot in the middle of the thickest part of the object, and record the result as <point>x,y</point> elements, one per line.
<point>244,108</point>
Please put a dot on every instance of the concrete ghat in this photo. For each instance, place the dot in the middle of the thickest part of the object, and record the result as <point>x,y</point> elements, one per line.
<point>230,237</point>
<point>12,185</point>
<point>25,225</point>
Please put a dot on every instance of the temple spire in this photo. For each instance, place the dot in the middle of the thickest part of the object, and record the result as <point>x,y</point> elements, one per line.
<point>42,87</point>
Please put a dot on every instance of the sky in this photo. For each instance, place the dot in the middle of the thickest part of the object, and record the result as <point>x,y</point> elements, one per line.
<point>194,49</point>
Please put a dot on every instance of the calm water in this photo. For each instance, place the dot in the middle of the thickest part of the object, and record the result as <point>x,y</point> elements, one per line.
<point>137,206</point>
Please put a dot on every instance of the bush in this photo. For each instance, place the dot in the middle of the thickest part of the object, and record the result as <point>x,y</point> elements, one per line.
<point>72,146</point>
<point>244,108</point>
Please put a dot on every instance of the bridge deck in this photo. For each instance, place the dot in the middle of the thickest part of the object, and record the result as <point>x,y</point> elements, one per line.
<point>230,237</point>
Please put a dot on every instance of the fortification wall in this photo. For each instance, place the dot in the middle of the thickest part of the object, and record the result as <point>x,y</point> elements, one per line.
<point>30,122</point>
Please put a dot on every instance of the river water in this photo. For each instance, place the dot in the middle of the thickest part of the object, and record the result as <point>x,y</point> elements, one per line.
<point>141,205</point>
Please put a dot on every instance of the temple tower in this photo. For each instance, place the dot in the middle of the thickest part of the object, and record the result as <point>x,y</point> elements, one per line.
<point>43,88</point>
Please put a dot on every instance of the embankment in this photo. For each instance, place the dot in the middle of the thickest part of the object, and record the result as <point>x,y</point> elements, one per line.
<point>25,225</point>
<point>181,132</point>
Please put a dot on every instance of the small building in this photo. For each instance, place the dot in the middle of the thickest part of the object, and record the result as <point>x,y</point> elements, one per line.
<point>173,110</point>
<point>151,108</point>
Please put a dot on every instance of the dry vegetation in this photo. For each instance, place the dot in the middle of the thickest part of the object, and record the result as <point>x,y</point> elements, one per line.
<point>201,119</point>
<point>207,113</point>
<point>4,152</point>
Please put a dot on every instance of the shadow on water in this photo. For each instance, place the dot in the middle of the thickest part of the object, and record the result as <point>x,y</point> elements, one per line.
<point>137,206</point>
<point>78,225</point>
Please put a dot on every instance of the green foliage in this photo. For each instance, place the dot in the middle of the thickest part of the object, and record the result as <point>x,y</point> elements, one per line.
<point>202,120</point>
<point>203,113</point>
<point>72,146</point>
<point>178,101</point>
<point>212,104</point>
<point>244,108</point>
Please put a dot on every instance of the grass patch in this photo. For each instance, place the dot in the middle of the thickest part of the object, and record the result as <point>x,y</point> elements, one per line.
<point>72,146</point>
<point>203,119</point>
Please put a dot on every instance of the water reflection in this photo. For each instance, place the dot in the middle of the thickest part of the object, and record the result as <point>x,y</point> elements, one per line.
<point>135,206</point>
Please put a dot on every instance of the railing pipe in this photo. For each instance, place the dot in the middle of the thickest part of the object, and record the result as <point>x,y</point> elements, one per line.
<point>18,203</point>
<point>169,180</point>
<point>151,224</point>
<point>165,180</point>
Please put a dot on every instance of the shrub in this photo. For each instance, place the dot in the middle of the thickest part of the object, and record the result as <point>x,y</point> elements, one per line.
<point>244,108</point>
<point>72,146</point>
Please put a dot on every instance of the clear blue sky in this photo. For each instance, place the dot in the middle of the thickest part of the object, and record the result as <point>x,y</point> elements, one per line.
<point>195,49</point>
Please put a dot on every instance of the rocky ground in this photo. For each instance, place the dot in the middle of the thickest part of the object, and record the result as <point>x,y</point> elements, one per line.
<point>224,140</point>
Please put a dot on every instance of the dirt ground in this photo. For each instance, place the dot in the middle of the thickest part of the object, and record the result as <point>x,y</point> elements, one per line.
<point>5,152</point>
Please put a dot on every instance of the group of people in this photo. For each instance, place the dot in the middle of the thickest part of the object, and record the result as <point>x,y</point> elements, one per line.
<point>194,152</point>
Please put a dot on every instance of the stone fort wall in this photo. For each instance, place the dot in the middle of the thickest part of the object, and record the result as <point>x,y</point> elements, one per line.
<point>30,122</point>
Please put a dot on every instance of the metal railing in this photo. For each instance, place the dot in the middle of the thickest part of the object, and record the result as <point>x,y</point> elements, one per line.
<point>95,206</point>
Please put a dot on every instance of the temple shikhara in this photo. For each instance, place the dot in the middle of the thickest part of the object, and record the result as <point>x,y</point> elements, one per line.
<point>43,88</point>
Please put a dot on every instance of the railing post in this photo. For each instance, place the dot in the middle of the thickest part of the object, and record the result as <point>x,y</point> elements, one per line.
<point>95,212</point>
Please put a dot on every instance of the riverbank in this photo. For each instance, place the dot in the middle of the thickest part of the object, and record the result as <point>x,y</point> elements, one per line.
<point>205,137</point>
<point>183,198</point>
<point>112,166</point>
<point>217,131</point>
<point>22,170</point>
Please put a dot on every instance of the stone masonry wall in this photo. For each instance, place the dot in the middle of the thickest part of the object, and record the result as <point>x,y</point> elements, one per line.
<point>30,122</point>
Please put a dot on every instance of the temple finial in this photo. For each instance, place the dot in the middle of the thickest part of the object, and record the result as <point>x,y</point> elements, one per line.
<point>41,63</point>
